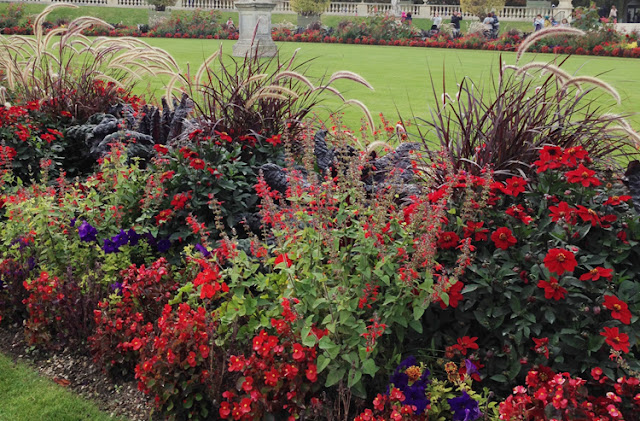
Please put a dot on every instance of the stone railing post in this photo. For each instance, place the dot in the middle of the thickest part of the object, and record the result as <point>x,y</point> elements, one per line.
<point>112,3</point>
<point>362,9</point>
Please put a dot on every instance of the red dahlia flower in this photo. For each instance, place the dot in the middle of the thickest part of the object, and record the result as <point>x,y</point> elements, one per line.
<point>503,238</point>
<point>448,240</point>
<point>619,309</point>
<point>560,261</point>
<point>618,341</point>
<point>597,273</point>
<point>552,289</point>
<point>582,175</point>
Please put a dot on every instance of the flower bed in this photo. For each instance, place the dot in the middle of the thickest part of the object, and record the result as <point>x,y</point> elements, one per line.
<point>242,264</point>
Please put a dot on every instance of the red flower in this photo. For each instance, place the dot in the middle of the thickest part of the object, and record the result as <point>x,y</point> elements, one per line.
<point>225,410</point>
<point>619,309</point>
<point>475,230</point>
<point>271,377</point>
<point>514,186</point>
<point>588,215</point>
<point>519,213</point>
<point>503,238</point>
<point>550,157</point>
<point>466,343</point>
<point>552,289</point>
<point>616,200</point>
<point>312,373</point>
<point>597,273</point>
<point>245,405</point>
<point>448,240</point>
<point>562,211</point>
<point>298,352</point>
<point>283,258</point>
<point>191,359</point>
<point>236,363</point>
<point>542,346</point>
<point>618,341</point>
<point>560,261</point>
<point>197,164</point>
<point>582,175</point>
<point>571,156</point>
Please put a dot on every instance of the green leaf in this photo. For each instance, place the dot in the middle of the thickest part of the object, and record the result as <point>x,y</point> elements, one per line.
<point>418,311</point>
<point>354,377</point>
<point>595,343</point>
<point>550,316</point>
<point>334,377</point>
<point>514,369</point>
<point>369,367</point>
<point>322,363</point>
<point>309,340</point>
<point>500,378</point>
<point>416,325</point>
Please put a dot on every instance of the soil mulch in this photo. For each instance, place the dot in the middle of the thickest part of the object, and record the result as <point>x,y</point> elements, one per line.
<point>70,368</point>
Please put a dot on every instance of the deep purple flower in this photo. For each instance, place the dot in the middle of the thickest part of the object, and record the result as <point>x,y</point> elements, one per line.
<point>116,287</point>
<point>464,408</point>
<point>72,223</point>
<point>110,247</point>
<point>133,237</point>
<point>163,245</point>
<point>120,239</point>
<point>202,249</point>
<point>87,232</point>
<point>414,396</point>
<point>471,368</point>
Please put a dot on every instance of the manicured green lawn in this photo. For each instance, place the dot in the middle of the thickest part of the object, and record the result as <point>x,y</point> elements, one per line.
<point>402,76</point>
<point>24,396</point>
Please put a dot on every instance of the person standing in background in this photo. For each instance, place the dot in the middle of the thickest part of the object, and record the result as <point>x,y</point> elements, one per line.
<point>613,14</point>
<point>437,20</point>
<point>538,23</point>
<point>455,21</point>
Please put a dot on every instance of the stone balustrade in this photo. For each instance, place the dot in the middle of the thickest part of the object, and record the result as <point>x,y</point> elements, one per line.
<point>424,11</point>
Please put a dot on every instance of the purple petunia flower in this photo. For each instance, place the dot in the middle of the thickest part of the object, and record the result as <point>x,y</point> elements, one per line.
<point>202,249</point>
<point>464,408</point>
<point>87,232</point>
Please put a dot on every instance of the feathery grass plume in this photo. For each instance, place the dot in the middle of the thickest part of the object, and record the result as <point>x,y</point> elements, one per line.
<point>330,89</point>
<point>364,108</point>
<point>205,65</point>
<point>294,75</point>
<point>265,93</point>
<point>168,93</point>
<point>3,95</point>
<point>38,29</point>
<point>293,57</point>
<point>536,36</point>
<point>345,74</point>
<point>632,134</point>
<point>548,67</point>
<point>594,81</point>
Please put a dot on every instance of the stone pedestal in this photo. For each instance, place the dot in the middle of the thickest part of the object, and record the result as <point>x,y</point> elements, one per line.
<point>563,10</point>
<point>255,19</point>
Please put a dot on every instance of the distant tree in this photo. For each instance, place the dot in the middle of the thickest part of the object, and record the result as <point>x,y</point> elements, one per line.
<point>481,8</point>
<point>309,7</point>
